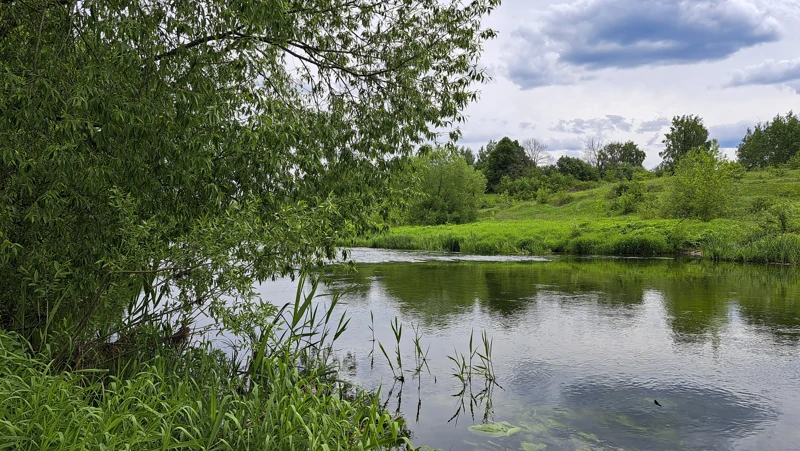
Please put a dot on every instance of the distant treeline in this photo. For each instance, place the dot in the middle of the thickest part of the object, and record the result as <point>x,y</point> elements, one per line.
<point>451,181</point>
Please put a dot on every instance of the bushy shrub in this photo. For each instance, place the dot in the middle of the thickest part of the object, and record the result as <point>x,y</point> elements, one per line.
<point>759,204</point>
<point>561,198</point>
<point>794,161</point>
<point>626,196</point>
<point>584,245</point>
<point>543,196</point>
<point>450,190</point>
<point>777,218</point>
<point>702,186</point>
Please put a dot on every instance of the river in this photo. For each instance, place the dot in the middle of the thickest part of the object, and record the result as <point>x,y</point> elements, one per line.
<point>582,348</point>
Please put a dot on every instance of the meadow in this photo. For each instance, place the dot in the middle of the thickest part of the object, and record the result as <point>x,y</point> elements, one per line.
<point>760,225</point>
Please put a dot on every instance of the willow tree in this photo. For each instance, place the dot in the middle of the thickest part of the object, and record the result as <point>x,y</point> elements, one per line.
<point>198,146</point>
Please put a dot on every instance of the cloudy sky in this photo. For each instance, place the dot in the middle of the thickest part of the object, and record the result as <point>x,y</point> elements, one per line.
<point>566,70</point>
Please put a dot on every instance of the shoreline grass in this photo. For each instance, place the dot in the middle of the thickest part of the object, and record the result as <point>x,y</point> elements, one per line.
<point>717,240</point>
<point>187,400</point>
<point>535,237</point>
<point>284,395</point>
<point>760,226</point>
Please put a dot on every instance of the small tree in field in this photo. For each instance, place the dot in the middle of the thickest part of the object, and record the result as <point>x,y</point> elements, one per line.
<point>702,186</point>
<point>577,168</point>
<point>450,190</point>
<point>615,154</point>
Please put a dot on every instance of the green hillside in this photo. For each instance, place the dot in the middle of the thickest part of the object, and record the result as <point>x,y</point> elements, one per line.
<point>759,225</point>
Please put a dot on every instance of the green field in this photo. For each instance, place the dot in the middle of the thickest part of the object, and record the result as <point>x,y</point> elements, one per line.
<point>587,224</point>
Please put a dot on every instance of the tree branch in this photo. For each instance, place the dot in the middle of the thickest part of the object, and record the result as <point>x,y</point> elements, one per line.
<point>195,43</point>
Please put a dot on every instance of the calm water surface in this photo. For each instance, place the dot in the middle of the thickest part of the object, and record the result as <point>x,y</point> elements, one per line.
<point>581,349</point>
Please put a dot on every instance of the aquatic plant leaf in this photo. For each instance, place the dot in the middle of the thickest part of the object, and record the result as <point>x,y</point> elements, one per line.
<point>533,446</point>
<point>589,437</point>
<point>513,431</point>
<point>489,429</point>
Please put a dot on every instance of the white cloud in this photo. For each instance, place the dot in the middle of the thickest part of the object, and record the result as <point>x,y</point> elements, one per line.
<point>770,72</point>
<point>595,126</point>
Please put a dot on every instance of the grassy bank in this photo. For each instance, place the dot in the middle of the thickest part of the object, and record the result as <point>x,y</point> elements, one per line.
<point>760,225</point>
<point>149,393</point>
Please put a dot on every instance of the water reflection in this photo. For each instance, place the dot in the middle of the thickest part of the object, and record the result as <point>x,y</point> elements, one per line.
<point>582,348</point>
<point>698,296</point>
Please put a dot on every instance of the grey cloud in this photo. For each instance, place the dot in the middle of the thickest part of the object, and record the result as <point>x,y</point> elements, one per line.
<point>598,34</point>
<point>528,66</point>
<point>526,125</point>
<point>769,72</point>
<point>476,139</point>
<point>619,122</point>
<point>632,33</point>
<point>730,135</point>
<point>656,138</point>
<point>567,145</point>
<point>597,126</point>
<point>653,126</point>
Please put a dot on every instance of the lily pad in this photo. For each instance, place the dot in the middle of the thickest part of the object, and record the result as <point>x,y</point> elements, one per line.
<point>533,446</point>
<point>513,431</point>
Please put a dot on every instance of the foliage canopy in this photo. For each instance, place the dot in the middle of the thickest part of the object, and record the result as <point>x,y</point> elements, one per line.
<point>507,158</point>
<point>450,189</point>
<point>771,143</point>
<point>616,153</point>
<point>685,133</point>
<point>702,186</point>
<point>197,146</point>
<point>577,168</point>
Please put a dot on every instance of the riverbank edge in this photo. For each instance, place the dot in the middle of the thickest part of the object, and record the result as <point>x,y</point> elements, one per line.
<point>718,240</point>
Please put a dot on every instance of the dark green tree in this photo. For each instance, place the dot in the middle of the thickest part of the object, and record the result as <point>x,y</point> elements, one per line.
<point>483,154</point>
<point>771,143</point>
<point>507,157</point>
<point>618,153</point>
<point>685,133</point>
<point>199,146</point>
<point>577,168</point>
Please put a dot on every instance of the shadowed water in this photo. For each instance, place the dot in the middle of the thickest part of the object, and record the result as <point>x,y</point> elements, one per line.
<point>581,349</point>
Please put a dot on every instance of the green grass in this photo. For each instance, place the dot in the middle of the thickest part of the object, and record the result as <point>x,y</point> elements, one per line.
<point>285,396</point>
<point>587,225</point>
<point>188,401</point>
<point>612,236</point>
